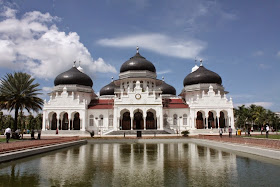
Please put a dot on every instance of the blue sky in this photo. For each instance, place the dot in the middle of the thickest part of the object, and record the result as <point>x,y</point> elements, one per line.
<point>239,40</point>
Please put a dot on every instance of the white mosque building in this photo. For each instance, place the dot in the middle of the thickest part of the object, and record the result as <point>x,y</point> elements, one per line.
<point>137,101</point>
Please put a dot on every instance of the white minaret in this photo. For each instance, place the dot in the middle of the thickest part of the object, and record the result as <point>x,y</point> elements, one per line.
<point>80,68</point>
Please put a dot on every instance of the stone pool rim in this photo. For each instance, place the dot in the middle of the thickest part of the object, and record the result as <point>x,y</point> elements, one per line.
<point>231,147</point>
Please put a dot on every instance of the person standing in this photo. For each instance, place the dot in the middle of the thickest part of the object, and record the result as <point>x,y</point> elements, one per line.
<point>39,134</point>
<point>230,131</point>
<point>267,130</point>
<point>221,132</point>
<point>8,134</point>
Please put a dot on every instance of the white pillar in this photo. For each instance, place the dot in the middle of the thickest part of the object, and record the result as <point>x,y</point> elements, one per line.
<point>83,120</point>
<point>44,121</point>
<point>118,124</point>
<point>69,120</point>
<point>131,122</point>
<point>206,121</point>
<point>57,122</point>
<point>116,120</point>
<point>144,118</point>
<point>218,118</point>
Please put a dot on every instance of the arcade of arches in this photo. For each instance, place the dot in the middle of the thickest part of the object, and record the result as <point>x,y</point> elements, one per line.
<point>65,122</point>
<point>211,120</point>
<point>139,122</point>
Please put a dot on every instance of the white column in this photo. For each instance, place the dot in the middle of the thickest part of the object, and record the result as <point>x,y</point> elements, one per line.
<point>118,124</point>
<point>218,118</point>
<point>69,120</point>
<point>206,121</point>
<point>131,122</point>
<point>144,118</point>
<point>116,120</point>
<point>83,120</point>
<point>44,121</point>
<point>159,126</point>
<point>57,122</point>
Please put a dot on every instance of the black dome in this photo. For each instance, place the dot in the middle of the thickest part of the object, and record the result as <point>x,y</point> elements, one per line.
<point>137,62</point>
<point>73,76</point>
<point>202,75</point>
<point>167,89</point>
<point>109,89</point>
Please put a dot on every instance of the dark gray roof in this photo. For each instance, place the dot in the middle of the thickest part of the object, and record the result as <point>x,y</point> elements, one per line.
<point>167,89</point>
<point>109,89</point>
<point>73,76</point>
<point>202,75</point>
<point>137,62</point>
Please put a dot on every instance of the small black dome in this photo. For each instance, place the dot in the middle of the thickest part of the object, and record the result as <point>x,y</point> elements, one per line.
<point>167,89</point>
<point>137,62</point>
<point>73,76</point>
<point>202,75</point>
<point>109,89</point>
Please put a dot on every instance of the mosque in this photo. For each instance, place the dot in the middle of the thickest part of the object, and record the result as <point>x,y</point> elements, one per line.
<point>137,101</point>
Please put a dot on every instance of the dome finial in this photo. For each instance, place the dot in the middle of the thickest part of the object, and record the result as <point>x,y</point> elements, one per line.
<point>112,79</point>
<point>74,65</point>
<point>137,49</point>
<point>162,78</point>
<point>200,62</point>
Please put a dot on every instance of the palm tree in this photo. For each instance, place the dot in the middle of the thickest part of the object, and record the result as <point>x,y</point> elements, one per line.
<point>18,92</point>
<point>242,116</point>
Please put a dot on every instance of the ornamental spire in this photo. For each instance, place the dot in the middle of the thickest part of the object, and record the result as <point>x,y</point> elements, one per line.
<point>74,65</point>
<point>137,49</point>
<point>201,62</point>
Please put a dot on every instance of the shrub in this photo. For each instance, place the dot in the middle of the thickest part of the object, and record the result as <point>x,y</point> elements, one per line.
<point>185,133</point>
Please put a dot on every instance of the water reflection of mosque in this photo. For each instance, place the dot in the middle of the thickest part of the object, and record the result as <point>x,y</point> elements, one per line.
<point>128,164</point>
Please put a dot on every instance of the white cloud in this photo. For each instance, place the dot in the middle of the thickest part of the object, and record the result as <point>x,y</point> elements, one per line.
<point>164,72</point>
<point>278,54</point>
<point>47,89</point>
<point>264,66</point>
<point>258,53</point>
<point>263,104</point>
<point>158,43</point>
<point>35,45</point>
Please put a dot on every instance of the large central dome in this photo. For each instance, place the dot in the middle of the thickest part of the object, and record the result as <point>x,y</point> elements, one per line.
<point>73,76</point>
<point>202,75</point>
<point>137,62</point>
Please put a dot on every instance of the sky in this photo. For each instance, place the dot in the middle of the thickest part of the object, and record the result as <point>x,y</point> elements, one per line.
<point>239,40</point>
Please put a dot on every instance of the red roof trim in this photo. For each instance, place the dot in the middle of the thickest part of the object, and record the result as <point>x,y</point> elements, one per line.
<point>101,104</point>
<point>174,103</point>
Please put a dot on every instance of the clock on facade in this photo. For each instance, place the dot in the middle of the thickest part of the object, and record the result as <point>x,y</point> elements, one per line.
<point>138,96</point>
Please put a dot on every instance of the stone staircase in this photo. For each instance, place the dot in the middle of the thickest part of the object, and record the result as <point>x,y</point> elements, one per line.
<point>65,133</point>
<point>134,132</point>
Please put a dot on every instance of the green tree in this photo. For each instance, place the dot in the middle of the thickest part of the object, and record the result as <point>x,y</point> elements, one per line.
<point>242,116</point>
<point>18,92</point>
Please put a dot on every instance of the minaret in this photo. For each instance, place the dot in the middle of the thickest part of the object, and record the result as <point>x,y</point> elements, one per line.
<point>80,68</point>
<point>195,67</point>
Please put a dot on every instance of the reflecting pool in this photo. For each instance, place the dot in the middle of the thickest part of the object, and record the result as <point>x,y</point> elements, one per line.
<point>139,164</point>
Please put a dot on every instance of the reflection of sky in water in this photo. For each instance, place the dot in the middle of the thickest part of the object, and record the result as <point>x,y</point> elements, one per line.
<point>173,164</point>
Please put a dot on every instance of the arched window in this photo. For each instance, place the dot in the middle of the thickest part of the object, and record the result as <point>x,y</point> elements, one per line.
<point>101,121</point>
<point>91,120</point>
<point>175,119</point>
<point>185,119</point>
<point>165,117</point>
<point>111,120</point>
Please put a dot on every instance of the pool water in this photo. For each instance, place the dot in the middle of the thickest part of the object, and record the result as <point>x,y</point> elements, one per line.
<point>140,164</point>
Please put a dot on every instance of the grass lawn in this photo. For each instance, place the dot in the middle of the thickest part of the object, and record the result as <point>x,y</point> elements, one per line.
<point>3,140</point>
<point>272,136</point>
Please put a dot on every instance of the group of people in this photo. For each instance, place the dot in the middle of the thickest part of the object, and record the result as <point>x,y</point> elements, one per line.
<point>19,134</point>
<point>229,131</point>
